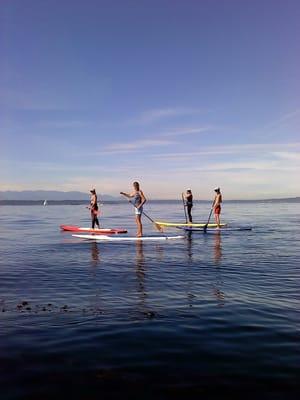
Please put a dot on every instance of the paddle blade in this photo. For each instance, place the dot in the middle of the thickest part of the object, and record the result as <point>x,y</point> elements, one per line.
<point>205,226</point>
<point>158,227</point>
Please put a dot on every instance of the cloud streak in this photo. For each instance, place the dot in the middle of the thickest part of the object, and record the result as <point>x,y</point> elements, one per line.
<point>186,131</point>
<point>283,119</point>
<point>242,149</point>
<point>155,115</point>
<point>129,147</point>
<point>162,139</point>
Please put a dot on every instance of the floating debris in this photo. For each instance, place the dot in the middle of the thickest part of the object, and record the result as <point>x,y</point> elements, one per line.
<point>150,314</point>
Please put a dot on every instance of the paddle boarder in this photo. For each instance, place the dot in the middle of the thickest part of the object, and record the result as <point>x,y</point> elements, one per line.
<point>139,200</point>
<point>189,204</point>
<point>94,209</point>
<point>217,206</point>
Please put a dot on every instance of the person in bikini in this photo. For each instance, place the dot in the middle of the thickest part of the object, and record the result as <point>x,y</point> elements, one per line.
<point>138,201</point>
<point>94,209</point>
<point>217,206</point>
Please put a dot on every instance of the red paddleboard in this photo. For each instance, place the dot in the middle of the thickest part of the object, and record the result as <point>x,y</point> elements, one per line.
<point>73,228</point>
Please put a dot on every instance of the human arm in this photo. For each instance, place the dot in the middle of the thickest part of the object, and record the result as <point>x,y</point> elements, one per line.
<point>128,195</point>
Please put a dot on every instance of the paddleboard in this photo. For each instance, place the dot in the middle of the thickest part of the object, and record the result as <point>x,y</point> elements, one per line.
<point>224,229</point>
<point>127,238</point>
<point>193,225</point>
<point>101,231</point>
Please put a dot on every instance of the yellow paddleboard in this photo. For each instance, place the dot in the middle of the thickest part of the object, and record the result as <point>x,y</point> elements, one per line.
<point>195,225</point>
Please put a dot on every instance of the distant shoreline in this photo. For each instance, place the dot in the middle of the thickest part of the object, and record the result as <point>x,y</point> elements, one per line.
<point>81,202</point>
<point>52,197</point>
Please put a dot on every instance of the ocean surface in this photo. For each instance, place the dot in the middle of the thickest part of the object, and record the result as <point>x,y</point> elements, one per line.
<point>207,316</point>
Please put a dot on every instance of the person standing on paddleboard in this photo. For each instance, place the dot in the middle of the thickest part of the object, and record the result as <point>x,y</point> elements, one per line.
<point>138,201</point>
<point>94,209</point>
<point>217,206</point>
<point>189,204</point>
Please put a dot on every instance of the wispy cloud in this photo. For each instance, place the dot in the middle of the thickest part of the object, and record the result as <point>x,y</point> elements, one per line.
<point>287,155</point>
<point>283,119</point>
<point>186,131</point>
<point>231,149</point>
<point>129,147</point>
<point>161,139</point>
<point>155,115</point>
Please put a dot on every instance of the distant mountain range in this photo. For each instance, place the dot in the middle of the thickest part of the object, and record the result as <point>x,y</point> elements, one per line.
<point>36,195</point>
<point>53,196</point>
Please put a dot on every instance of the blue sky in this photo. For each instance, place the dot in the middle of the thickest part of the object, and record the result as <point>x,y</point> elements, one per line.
<point>175,94</point>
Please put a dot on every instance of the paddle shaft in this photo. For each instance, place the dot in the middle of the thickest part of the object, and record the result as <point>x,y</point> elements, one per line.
<point>182,196</point>
<point>147,216</point>
<point>205,226</point>
<point>158,227</point>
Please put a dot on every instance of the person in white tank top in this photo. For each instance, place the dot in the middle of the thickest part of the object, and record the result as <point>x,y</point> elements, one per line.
<point>138,202</point>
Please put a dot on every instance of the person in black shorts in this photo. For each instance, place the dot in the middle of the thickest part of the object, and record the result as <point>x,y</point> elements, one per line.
<point>94,209</point>
<point>189,204</point>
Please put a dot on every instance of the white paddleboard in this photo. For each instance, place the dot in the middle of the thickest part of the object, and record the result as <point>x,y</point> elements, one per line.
<point>128,238</point>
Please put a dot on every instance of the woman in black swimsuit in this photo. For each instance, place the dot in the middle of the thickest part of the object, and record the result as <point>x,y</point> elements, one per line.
<point>189,204</point>
<point>94,209</point>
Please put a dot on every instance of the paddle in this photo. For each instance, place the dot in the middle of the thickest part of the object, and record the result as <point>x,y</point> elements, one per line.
<point>182,196</point>
<point>205,226</point>
<point>157,226</point>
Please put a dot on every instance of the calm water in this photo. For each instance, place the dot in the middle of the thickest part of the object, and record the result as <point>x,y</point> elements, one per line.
<point>205,316</point>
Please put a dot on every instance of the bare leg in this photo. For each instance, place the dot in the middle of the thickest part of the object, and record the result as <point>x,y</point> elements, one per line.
<point>138,220</point>
<point>217,219</point>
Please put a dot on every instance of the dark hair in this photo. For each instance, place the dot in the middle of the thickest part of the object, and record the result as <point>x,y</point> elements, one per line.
<point>136,185</point>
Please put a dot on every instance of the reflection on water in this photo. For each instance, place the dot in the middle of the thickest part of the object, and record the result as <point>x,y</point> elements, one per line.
<point>189,242</point>
<point>95,254</point>
<point>217,248</point>
<point>159,252</point>
<point>220,296</point>
<point>140,273</point>
<point>189,271</point>
<point>210,310</point>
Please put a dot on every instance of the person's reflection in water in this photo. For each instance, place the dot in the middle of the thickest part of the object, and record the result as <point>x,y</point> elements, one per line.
<point>220,296</point>
<point>217,248</point>
<point>189,246</point>
<point>95,253</point>
<point>140,273</point>
<point>94,304</point>
<point>189,271</point>
<point>159,252</point>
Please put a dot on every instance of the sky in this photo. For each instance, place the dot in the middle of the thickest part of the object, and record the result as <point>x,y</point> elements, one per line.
<point>174,94</point>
